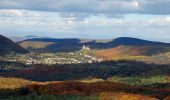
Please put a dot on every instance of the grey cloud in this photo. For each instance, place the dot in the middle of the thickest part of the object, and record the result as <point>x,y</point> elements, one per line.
<point>156,7</point>
<point>85,8</point>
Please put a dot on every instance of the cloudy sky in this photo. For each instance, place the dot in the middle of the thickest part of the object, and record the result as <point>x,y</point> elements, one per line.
<point>145,19</point>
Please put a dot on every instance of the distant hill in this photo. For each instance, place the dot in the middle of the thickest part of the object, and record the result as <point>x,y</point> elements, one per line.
<point>131,51</point>
<point>66,45</point>
<point>7,46</point>
<point>21,38</point>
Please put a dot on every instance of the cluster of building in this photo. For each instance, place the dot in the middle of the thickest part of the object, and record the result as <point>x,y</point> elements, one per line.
<point>55,58</point>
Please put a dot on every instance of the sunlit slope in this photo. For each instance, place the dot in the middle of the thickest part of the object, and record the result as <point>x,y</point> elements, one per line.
<point>138,52</point>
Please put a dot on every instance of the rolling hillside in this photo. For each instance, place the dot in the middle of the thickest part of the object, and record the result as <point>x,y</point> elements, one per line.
<point>115,47</point>
<point>7,46</point>
<point>70,89</point>
<point>131,51</point>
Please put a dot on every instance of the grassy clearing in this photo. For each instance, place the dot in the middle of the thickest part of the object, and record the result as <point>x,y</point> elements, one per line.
<point>13,83</point>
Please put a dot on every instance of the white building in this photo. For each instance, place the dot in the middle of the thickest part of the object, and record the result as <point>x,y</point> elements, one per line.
<point>85,48</point>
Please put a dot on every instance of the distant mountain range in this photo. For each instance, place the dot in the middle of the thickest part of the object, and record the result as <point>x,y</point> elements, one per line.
<point>122,45</point>
<point>7,46</point>
<point>115,47</point>
<point>21,38</point>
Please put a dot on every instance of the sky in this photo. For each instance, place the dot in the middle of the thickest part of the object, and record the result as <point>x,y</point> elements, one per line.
<point>95,19</point>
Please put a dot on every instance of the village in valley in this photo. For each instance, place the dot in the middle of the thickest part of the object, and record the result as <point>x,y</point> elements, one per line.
<point>85,55</point>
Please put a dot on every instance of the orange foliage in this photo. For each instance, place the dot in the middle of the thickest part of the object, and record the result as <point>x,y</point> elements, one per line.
<point>79,88</point>
<point>122,51</point>
<point>167,98</point>
<point>123,96</point>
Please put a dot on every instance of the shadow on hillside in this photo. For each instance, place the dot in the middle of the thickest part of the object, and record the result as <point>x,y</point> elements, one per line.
<point>101,70</point>
<point>70,45</point>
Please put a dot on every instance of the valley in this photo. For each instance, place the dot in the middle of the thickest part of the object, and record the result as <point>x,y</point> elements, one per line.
<point>84,49</point>
<point>88,69</point>
<point>54,58</point>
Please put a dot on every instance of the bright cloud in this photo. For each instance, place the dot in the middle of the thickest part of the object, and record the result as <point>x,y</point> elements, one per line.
<point>147,19</point>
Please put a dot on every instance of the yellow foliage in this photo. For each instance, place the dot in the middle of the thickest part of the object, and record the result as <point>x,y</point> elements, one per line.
<point>37,45</point>
<point>13,83</point>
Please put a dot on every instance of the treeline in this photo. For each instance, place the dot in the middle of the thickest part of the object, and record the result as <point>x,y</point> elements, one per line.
<point>102,70</point>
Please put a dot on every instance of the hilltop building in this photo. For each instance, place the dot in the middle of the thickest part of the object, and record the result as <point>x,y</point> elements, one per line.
<point>85,48</point>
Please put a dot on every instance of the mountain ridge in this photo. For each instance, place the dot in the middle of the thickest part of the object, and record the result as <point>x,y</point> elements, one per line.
<point>74,44</point>
<point>7,46</point>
